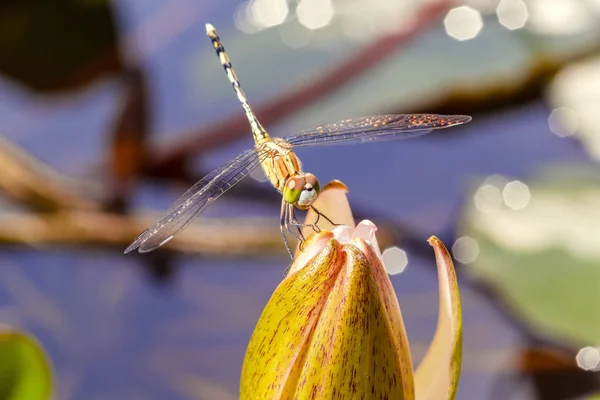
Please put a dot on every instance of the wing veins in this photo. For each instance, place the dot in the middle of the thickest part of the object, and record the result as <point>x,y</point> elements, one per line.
<point>195,199</point>
<point>401,126</point>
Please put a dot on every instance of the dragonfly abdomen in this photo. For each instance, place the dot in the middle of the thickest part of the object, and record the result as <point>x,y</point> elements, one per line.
<point>259,133</point>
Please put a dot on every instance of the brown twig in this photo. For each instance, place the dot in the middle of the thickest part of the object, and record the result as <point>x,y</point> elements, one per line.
<point>245,236</point>
<point>62,217</point>
<point>27,181</point>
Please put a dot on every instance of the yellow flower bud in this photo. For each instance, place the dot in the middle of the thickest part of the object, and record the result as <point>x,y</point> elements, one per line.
<point>333,327</point>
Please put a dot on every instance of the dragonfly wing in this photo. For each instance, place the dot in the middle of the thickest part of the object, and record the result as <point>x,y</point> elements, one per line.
<point>380,127</point>
<point>195,200</point>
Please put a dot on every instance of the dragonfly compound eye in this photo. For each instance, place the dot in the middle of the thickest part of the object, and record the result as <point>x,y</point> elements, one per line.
<point>293,188</point>
<point>311,182</point>
<point>310,191</point>
<point>302,190</point>
<point>307,197</point>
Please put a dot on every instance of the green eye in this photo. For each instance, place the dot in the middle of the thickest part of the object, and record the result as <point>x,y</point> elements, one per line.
<point>291,196</point>
<point>301,190</point>
<point>317,186</point>
<point>293,189</point>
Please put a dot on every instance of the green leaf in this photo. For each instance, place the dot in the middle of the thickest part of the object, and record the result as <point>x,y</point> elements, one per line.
<point>543,260</point>
<point>25,373</point>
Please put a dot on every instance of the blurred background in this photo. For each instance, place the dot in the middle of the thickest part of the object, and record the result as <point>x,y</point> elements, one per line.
<point>109,110</point>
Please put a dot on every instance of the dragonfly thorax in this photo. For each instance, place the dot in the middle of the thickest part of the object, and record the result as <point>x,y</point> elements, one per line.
<point>280,163</point>
<point>301,190</point>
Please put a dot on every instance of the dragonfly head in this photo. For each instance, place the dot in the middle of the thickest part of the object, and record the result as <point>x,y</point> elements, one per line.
<point>301,190</point>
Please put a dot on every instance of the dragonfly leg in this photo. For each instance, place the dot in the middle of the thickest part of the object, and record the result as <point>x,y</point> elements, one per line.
<point>289,222</point>
<point>287,269</point>
<point>294,223</point>
<point>320,214</point>
<point>290,225</point>
<point>299,227</point>
<point>314,226</point>
<point>294,227</point>
<point>283,226</point>
<point>285,211</point>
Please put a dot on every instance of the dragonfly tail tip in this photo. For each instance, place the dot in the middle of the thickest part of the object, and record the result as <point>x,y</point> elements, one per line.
<point>210,30</point>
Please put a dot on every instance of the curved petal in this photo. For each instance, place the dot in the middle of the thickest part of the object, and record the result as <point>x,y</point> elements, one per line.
<point>276,350</point>
<point>366,230</point>
<point>313,245</point>
<point>353,347</point>
<point>24,368</point>
<point>390,301</point>
<point>437,376</point>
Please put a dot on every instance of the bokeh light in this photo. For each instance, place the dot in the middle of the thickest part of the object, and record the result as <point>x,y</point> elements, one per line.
<point>512,14</point>
<point>563,121</point>
<point>269,13</point>
<point>395,260</point>
<point>465,249</point>
<point>488,198</point>
<point>588,359</point>
<point>255,15</point>
<point>315,14</point>
<point>463,23</point>
<point>243,18</point>
<point>564,17</point>
<point>516,195</point>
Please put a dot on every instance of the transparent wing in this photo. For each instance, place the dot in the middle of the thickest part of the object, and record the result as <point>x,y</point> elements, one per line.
<point>195,200</point>
<point>401,126</point>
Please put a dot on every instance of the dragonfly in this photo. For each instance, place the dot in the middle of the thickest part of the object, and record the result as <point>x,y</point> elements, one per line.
<point>280,164</point>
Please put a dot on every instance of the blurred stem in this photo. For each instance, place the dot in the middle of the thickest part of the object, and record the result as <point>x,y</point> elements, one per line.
<point>245,236</point>
<point>27,181</point>
<point>129,141</point>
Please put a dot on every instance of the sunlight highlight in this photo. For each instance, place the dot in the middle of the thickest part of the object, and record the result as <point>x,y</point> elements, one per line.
<point>269,13</point>
<point>512,14</point>
<point>315,14</point>
<point>255,15</point>
<point>465,249</point>
<point>588,359</point>
<point>516,195</point>
<point>565,17</point>
<point>395,260</point>
<point>463,23</point>
<point>563,121</point>
<point>488,198</point>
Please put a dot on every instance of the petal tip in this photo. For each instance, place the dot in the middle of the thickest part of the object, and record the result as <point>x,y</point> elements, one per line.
<point>434,241</point>
<point>336,184</point>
